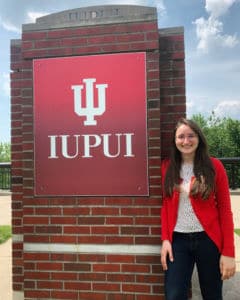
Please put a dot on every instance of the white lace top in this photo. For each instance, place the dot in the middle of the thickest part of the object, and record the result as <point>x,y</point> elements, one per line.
<point>187,221</point>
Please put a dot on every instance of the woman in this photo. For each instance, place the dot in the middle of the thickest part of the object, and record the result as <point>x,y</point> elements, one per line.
<point>197,223</point>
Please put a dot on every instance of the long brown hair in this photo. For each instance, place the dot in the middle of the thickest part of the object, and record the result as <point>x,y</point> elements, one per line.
<point>203,168</point>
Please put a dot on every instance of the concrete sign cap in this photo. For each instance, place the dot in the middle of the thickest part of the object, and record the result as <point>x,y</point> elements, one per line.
<point>94,15</point>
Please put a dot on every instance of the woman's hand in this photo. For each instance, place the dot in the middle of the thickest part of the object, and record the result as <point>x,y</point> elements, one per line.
<point>227,266</point>
<point>166,251</point>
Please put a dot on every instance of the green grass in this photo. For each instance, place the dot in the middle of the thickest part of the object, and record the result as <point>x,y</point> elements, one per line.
<point>5,233</point>
<point>237,231</point>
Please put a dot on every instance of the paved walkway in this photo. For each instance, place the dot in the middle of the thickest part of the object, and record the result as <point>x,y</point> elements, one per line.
<point>231,288</point>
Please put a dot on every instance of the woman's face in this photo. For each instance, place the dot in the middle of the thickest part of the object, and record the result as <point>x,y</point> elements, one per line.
<point>186,141</point>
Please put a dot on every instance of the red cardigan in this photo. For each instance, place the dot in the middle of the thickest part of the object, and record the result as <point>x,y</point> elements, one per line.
<point>214,214</point>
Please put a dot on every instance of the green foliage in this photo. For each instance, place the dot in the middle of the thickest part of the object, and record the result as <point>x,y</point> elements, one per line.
<point>5,153</point>
<point>237,231</point>
<point>223,135</point>
<point>5,233</point>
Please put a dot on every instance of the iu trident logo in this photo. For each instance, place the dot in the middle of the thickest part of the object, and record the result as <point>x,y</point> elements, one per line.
<point>89,110</point>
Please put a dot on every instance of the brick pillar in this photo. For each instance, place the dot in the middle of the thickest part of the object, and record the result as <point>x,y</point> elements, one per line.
<point>16,164</point>
<point>172,82</point>
<point>78,247</point>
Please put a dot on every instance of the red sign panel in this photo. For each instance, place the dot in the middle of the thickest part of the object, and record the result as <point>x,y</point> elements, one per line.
<point>90,125</point>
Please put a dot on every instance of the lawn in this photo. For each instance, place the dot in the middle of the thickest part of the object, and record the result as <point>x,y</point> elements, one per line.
<point>237,231</point>
<point>5,233</point>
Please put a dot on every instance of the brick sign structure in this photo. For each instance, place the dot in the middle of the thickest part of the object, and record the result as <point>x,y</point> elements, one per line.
<point>95,93</point>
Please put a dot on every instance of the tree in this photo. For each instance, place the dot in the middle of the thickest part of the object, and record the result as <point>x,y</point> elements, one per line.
<point>5,155</point>
<point>223,135</point>
<point>233,128</point>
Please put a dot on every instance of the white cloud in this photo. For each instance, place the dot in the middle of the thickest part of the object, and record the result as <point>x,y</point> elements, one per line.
<point>33,15</point>
<point>210,31</point>
<point>30,17</point>
<point>10,27</point>
<point>210,35</point>
<point>228,109</point>
<point>217,8</point>
<point>198,105</point>
<point>222,109</point>
<point>159,4</point>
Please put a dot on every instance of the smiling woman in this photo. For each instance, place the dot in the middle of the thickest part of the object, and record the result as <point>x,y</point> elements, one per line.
<point>197,223</point>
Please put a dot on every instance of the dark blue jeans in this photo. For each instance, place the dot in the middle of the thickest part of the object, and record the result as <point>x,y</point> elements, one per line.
<point>190,249</point>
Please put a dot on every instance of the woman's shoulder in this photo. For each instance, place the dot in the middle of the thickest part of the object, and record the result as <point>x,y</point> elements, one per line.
<point>217,163</point>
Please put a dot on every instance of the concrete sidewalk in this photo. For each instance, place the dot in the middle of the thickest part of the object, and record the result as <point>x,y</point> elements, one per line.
<point>231,288</point>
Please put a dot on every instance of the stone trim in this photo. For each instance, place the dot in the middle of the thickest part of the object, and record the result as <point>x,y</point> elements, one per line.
<point>93,15</point>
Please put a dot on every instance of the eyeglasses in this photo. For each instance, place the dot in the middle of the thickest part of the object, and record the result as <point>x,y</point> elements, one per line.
<point>182,137</point>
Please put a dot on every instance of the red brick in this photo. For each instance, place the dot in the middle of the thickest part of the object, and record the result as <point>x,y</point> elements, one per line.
<point>46,44</point>
<point>106,39</point>
<point>106,268</point>
<point>37,35</point>
<point>53,285</point>
<point>91,239</point>
<point>121,296</point>
<point>76,267</point>
<point>76,229</point>
<point>117,258</point>
<point>36,256</point>
<point>134,230</point>
<point>65,239</point>
<point>106,287</point>
<point>105,211</point>
<point>49,266</point>
<point>63,220</point>
<point>91,220</point>
<point>150,297</point>
<point>119,240</point>
<point>136,288</point>
<point>119,220</point>
<point>76,211</point>
<point>118,201</point>
<point>94,277</point>
<point>64,295</point>
<point>35,220</point>
<point>64,276</point>
<point>135,268</point>
<point>149,278</point>
<point>135,211</point>
<point>92,296</point>
<point>69,42</point>
<point>36,294</point>
<point>37,275</point>
<point>77,286</point>
<point>104,230</point>
<point>123,38</point>
<point>91,257</point>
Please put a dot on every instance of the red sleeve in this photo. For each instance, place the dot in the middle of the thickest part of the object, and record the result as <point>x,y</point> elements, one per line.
<point>224,207</point>
<point>164,212</point>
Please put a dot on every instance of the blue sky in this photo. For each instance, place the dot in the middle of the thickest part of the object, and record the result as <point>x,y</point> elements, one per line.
<point>212,46</point>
